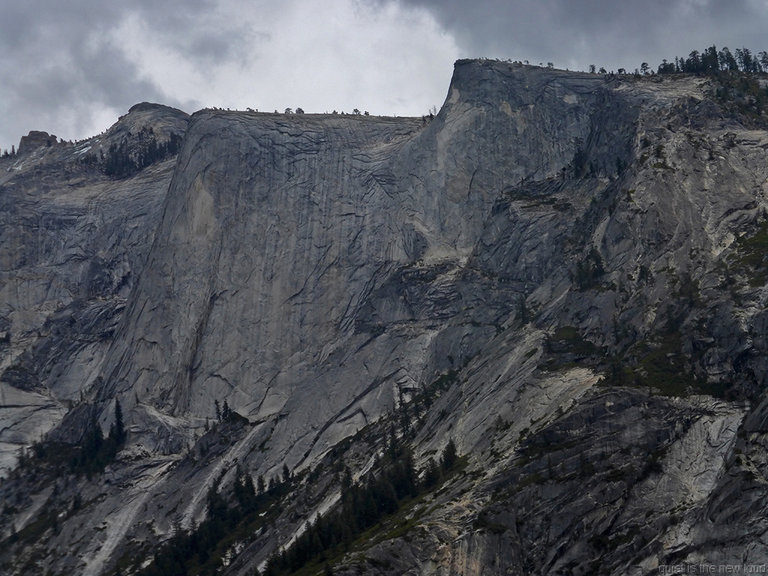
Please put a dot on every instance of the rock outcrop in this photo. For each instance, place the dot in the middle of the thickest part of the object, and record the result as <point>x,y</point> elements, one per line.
<point>36,139</point>
<point>561,272</point>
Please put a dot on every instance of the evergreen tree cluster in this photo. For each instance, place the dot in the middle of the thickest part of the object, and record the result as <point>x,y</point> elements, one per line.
<point>363,505</point>
<point>738,88</point>
<point>713,61</point>
<point>589,270</point>
<point>125,160</point>
<point>199,550</point>
<point>223,413</point>
<point>92,453</point>
<point>88,457</point>
<point>95,450</point>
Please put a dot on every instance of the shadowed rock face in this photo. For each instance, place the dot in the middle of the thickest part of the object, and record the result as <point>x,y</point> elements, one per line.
<point>577,255</point>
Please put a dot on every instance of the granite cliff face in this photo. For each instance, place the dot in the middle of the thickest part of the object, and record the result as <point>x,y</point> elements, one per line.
<point>353,205</point>
<point>569,267</point>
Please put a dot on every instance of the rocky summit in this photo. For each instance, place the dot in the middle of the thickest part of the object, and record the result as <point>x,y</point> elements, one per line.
<point>527,335</point>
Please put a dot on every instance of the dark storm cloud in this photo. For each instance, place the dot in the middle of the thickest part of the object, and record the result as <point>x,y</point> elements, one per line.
<point>63,69</point>
<point>58,66</point>
<point>73,67</point>
<point>610,33</point>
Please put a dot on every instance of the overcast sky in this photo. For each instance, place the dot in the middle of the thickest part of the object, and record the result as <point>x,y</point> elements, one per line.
<point>72,67</point>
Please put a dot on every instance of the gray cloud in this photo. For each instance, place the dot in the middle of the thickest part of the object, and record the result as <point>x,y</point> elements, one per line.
<point>60,69</point>
<point>72,67</point>
<point>64,70</point>
<point>614,34</point>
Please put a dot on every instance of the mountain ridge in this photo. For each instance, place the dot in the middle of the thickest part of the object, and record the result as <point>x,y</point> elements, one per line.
<point>560,272</point>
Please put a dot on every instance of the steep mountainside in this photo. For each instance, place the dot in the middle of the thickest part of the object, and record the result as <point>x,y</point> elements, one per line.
<point>561,273</point>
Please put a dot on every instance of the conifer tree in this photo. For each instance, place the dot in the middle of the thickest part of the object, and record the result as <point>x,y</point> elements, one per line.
<point>117,430</point>
<point>449,455</point>
<point>432,474</point>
